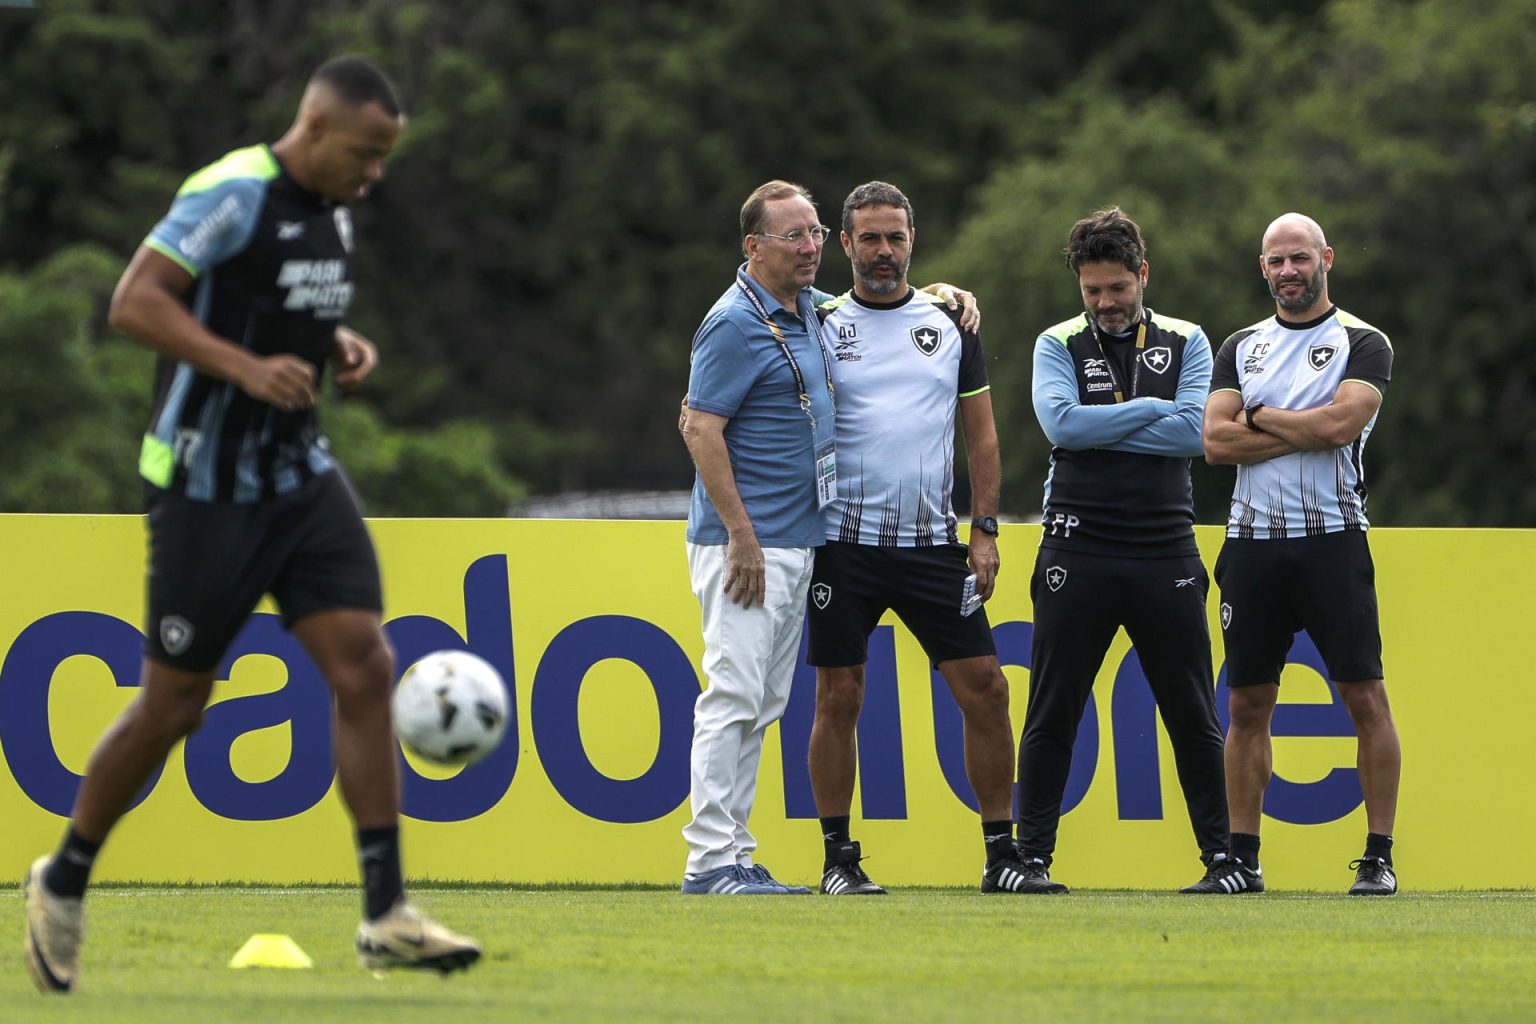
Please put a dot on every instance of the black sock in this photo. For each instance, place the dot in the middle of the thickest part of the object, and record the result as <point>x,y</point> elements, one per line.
<point>835,829</point>
<point>1378,845</point>
<point>834,837</point>
<point>70,869</point>
<point>1245,847</point>
<point>834,832</point>
<point>998,836</point>
<point>378,849</point>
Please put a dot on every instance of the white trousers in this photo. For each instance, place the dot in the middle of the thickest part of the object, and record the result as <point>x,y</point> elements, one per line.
<point>749,663</point>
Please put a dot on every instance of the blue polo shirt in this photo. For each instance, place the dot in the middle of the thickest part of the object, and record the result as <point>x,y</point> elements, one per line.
<point>738,371</point>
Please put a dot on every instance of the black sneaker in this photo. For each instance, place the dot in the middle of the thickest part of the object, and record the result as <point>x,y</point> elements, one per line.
<point>1225,875</point>
<point>1373,877</point>
<point>844,877</point>
<point>1015,874</point>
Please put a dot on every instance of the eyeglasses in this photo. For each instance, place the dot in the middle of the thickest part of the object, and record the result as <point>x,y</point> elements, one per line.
<point>817,234</point>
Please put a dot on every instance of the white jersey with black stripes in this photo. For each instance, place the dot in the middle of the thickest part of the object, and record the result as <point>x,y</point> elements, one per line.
<point>1300,366</point>
<point>899,370</point>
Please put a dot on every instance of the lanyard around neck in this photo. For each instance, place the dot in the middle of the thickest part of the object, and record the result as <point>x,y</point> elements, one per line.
<point>789,357</point>
<point>1141,344</point>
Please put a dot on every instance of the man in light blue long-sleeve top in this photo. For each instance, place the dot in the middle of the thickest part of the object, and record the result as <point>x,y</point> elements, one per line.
<point>1120,394</point>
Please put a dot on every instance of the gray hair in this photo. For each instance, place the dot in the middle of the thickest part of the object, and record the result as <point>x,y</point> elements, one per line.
<point>875,193</point>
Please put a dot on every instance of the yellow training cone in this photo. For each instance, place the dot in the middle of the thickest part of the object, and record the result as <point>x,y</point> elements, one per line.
<point>271,951</point>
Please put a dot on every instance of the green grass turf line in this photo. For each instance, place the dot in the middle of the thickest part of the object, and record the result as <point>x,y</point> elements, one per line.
<point>411,884</point>
<point>459,884</point>
<point>159,954</point>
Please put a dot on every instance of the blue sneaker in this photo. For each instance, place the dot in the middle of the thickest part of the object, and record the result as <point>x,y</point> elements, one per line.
<point>760,872</point>
<point>731,880</point>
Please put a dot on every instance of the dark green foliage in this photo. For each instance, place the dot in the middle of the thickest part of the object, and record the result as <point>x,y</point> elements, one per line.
<point>562,209</point>
<point>1409,132</point>
<point>68,402</point>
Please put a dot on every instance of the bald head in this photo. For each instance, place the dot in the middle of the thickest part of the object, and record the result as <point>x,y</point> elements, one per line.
<point>1295,259</point>
<point>1293,223</point>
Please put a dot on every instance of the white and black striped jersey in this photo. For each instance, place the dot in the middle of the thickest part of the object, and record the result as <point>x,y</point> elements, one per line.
<point>900,370</point>
<point>1300,366</point>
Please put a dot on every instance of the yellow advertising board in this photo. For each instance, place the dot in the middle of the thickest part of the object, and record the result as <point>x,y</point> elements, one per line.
<point>595,630</point>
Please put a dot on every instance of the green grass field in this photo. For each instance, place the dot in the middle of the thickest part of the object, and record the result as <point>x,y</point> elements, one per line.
<point>159,955</point>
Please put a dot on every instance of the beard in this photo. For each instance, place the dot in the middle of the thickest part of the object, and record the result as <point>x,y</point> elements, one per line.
<point>1121,318</point>
<point>865,272</point>
<point>1308,297</point>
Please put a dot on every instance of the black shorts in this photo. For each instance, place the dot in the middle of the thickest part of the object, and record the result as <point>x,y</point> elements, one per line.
<point>854,584</point>
<point>1272,589</point>
<point>211,562</point>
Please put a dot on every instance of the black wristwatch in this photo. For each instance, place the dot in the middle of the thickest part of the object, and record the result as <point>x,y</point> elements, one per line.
<point>986,524</point>
<point>1248,415</point>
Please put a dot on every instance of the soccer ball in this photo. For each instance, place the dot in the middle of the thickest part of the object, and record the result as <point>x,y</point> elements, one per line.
<point>450,708</point>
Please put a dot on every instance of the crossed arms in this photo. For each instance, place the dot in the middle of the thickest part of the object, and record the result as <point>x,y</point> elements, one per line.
<point>1230,441</point>
<point>1149,426</point>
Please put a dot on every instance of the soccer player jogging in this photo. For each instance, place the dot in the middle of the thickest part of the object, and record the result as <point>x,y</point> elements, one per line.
<point>1118,391</point>
<point>1292,401</point>
<point>905,368</point>
<point>240,289</point>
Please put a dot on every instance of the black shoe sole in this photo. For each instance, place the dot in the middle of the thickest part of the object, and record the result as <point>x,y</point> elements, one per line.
<point>447,963</point>
<point>44,978</point>
<point>990,889</point>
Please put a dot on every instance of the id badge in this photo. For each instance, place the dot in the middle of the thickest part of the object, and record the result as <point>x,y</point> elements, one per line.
<point>826,474</point>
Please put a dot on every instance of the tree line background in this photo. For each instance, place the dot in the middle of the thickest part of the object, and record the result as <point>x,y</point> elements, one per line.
<point>562,210</point>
